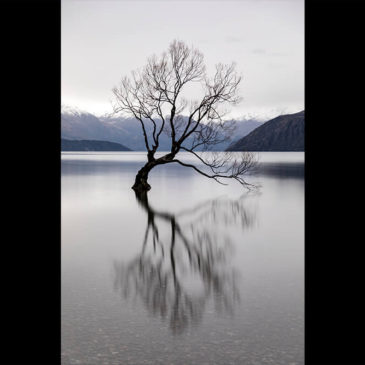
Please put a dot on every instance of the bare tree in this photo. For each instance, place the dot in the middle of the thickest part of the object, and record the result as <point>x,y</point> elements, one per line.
<point>154,95</point>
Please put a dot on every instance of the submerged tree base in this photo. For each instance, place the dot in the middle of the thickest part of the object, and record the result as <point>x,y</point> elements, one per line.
<point>140,183</point>
<point>141,187</point>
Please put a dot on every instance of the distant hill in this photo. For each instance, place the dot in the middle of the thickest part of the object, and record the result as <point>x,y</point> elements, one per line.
<point>91,145</point>
<point>79,125</point>
<point>283,133</point>
<point>243,128</point>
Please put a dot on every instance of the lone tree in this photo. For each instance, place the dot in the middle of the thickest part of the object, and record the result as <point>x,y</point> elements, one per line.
<point>155,95</point>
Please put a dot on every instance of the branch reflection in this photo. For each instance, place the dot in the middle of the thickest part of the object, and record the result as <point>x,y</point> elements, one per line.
<point>183,263</point>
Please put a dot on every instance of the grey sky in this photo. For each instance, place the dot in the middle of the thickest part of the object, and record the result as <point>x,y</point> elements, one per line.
<point>103,40</point>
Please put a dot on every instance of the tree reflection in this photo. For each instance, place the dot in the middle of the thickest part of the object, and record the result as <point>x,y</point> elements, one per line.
<point>183,261</point>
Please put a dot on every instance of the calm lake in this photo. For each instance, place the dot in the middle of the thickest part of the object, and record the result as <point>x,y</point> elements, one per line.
<point>199,273</point>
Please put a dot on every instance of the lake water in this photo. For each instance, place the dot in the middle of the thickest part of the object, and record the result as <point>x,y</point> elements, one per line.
<point>199,273</point>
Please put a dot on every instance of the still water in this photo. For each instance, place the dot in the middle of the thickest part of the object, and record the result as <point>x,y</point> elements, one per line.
<point>199,273</point>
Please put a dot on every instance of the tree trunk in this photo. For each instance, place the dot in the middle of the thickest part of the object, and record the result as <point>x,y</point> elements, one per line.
<point>141,185</point>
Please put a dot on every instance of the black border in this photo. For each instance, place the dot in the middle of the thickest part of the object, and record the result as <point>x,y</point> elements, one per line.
<point>30,255</point>
<point>334,308</point>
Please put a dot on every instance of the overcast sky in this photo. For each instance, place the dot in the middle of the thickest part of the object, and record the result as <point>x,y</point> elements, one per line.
<point>102,40</point>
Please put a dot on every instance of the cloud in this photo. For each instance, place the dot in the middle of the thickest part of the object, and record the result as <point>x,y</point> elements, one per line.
<point>259,51</point>
<point>230,39</point>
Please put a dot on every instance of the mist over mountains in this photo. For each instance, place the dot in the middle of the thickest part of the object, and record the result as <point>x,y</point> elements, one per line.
<point>81,125</point>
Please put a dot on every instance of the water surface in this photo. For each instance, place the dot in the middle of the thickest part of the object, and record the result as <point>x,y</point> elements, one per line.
<point>197,273</point>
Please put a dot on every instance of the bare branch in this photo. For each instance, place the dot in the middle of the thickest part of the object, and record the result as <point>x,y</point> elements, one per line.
<point>225,166</point>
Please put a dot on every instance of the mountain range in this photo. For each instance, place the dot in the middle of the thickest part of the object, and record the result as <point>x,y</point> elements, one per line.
<point>91,145</point>
<point>80,125</point>
<point>283,133</point>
